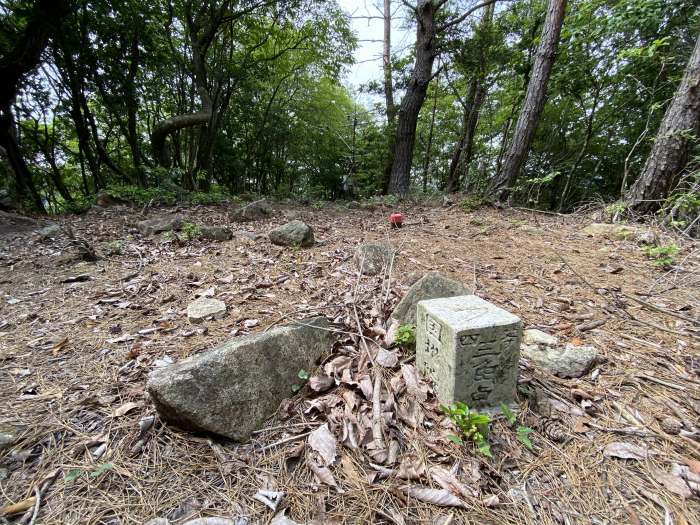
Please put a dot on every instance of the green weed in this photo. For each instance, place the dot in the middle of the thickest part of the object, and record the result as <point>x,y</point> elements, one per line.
<point>472,426</point>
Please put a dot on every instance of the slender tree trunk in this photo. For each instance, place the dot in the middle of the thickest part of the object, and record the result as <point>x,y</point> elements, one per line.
<point>669,155</point>
<point>533,103</point>
<point>388,97</point>
<point>429,146</point>
<point>426,51</point>
<point>131,108</point>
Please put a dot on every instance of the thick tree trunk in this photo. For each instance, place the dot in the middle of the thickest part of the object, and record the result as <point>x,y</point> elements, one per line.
<point>533,103</point>
<point>426,51</point>
<point>669,155</point>
<point>24,183</point>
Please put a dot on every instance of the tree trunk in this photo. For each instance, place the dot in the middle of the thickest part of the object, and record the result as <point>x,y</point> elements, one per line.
<point>388,97</point>
<point>429,146</point>
<point>23,178</point>
<point>426,51</point>
<point>669,155</point>
<point>533,103</point>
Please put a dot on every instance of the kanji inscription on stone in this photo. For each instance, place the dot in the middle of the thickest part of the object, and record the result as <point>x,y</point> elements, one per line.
<point>470,349</point>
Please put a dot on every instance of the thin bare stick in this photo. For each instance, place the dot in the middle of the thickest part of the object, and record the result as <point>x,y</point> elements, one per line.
<point>283,441</point>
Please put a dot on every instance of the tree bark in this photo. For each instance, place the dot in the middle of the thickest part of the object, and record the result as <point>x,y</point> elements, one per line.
<point>534,101</point>
<point>165,127</point>
<point>669,155</point>
<point>426,51</point>
<point>388,97</point>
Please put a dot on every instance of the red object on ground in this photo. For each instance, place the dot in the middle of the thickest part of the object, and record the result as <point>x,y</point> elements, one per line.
<point>396,220</point>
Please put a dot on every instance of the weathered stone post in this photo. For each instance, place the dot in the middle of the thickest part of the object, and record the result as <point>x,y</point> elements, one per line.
<point>470,349</point>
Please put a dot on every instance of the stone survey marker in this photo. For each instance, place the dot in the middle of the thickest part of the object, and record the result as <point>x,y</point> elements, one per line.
<point>469,348</point>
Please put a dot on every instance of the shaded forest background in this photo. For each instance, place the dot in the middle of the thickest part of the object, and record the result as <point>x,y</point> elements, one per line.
<point>203,100</point>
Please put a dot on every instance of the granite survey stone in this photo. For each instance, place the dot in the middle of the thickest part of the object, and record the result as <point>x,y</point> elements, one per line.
<point>470,349</point>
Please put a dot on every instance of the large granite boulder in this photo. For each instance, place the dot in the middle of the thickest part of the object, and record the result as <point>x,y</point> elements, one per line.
<point>255,211</point>
<point>432,285</point>
<point>295,233</point>
<point>160,224</point>
<point>232,389</point>
<point>372,258</point>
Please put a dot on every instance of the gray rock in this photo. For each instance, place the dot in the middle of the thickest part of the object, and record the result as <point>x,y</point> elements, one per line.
<point>372,259</point>
<point>353,205</point>
<point>571,361</point>
<point>51,230</point>
<point>538,337</point>
<point>620,232</point>
<point>9,435</point>
<point>432,285</point>
<point>292,215</point>
<point>254,211</point>
<point>295,233</point>
<point>647,238</point>
<point>204,307</point>
<point>252,236</point>
<point>4,474</point>
<point>161,224</point>
<point>232,389</point>
<point>215,233</point>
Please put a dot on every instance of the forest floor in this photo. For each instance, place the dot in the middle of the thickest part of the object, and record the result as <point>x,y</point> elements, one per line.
<point>74,358</point>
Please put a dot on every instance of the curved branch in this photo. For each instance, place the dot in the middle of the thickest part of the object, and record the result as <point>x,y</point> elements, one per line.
<point>165,127</point>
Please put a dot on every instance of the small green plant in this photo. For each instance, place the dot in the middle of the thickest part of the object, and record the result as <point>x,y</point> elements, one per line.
<point>663,255</point>
<point>472,426</point>
<point>471,203</point>
<point>207,198</point>
<point>304,376</point>
<point>75,473</point>
<point>191,230</point>
<point>405,336</point>
<point>115,247</point>
<point>616,208</point>
<point>522,433</point>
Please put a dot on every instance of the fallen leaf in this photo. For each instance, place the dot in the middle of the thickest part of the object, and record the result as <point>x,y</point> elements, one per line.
<point>125,408</point>
<point>281,519</point>
<point>323,441</point>
<point>251,323</point>
<point>622,450</point>
<point>270,498</point>
<point>321,383</point>
<point>123,339</point>
<point>387,358</point>
<point>59,346</point>
<point>211,521</point>
<point>449,481</point>
<point>440,497</point>
<point>693,465</point>
<point>491,501</point>
<point>673,483</point>
<point>324,475</point>
<point>411,467</point>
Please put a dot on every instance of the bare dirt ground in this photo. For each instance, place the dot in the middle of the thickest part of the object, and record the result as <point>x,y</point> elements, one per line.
<point>74,358</point>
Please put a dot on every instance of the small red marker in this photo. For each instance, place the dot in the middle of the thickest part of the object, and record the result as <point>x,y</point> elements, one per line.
<point>396,220</point>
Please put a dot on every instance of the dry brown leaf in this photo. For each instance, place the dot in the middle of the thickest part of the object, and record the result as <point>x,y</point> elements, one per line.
<point>321,404</point>
<point>337,365</point>
<point>324,475</point>
<point>693,465</point>
<point>321,383</point>
<point>387,358</point>
<point>125,408</point>
<point>440,497</point>
<point>411,467</point>
<point>622,450</point>
<point>323,441</point>
<point>449,481</point>
<point>59,346</point>
<point>673,483</point>
<point>16,508</point>
<point>281,519</point>
<point>491,501</point>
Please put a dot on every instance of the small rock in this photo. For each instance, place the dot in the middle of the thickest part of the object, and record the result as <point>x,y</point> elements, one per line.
<point>232,389</point>
<point>254,211</point>
<point>671,425</point>
<point>432,285</point>
<point>619,232</point>
<point>161,224</point>
<point>353,205</point>
<point>648,238</point>
<point>105,200</point>
<point>51,230</point>
<point>4,473</point>
<point>295,233</point>
<point>9,435</point>
<point>448,200</point>
<point>204,307</point>
<point>538,337</point>
<point>372,259</point>
<point>571,361</point>
<point>215,233</point>
<point>252,236</point>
